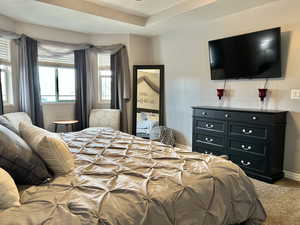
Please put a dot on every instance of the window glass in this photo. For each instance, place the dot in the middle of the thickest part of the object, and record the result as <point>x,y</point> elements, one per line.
<point>47,84</point>
<point>5,67</point>
<point>57,84</point>
<point>104,73</point>
<point>66,84</point>
<point>4,88</point>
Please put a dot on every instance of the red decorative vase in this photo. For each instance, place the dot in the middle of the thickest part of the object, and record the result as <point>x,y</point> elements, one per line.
<point>262,93</point>
<point>220,93</point>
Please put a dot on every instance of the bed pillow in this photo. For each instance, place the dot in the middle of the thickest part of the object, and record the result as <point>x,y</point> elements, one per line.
<point>9,195</point>
<point>17,158</point>
<point>50,147</point>
<point>6,123</point>
<point>16,118</point>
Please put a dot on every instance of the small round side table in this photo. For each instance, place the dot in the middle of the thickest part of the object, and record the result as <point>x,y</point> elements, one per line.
<point>68,124</point>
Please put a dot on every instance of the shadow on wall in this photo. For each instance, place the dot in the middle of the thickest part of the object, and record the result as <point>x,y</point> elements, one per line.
<point>291,141</point>
<point>179,137</point>
<point>285,48</point>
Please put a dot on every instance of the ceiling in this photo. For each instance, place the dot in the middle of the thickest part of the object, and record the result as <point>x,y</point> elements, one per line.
<point>143,8</point>
<point>148,17</point>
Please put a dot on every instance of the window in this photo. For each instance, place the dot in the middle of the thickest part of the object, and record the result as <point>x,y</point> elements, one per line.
<point>57,78</point>
<point>104,77</point>
<point>5,70</point>
<point>57,84</point>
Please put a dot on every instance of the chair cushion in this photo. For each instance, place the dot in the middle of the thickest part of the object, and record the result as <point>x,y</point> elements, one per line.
<point>50,147</point>
<point>6,123</point>
<point>16,118</point>
<point>17,158</point>
<point>105,118</point>
<point>9,195</point>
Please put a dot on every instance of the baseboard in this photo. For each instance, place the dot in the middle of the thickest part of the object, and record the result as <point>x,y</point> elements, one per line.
<point>292,175</point>
<point>189,148</point>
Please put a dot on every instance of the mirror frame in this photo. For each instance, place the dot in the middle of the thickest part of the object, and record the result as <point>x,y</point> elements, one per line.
<point>161,97</point>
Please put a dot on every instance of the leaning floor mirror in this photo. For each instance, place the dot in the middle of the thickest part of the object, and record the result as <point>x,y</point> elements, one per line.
<point>148,99</point>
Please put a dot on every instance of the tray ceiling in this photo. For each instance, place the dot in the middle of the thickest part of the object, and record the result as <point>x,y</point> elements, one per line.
<point>148,17</point>
<point>143,7</point>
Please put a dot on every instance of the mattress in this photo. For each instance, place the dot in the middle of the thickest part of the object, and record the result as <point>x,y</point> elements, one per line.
<point>121,179</point>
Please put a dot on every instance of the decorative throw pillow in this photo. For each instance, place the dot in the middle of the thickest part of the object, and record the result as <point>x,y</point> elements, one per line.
<point>16,118</point>
<point>50,147</point>
<point>9,195</point>
<point>17,158</point>
<point>6,123</point>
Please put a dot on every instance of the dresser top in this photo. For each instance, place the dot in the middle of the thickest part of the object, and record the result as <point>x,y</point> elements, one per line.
<point>220,108</point>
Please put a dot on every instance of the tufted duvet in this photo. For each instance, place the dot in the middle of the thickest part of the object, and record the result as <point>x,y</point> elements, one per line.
<point>120,179</point>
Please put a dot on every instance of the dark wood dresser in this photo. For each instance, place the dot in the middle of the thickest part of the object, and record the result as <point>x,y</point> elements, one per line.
<point>253,139</point>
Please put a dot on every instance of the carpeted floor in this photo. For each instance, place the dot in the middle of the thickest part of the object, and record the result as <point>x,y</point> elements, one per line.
<point>281,201</point>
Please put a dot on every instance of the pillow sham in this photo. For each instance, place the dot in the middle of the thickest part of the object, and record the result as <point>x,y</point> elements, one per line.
<point>6,123</point>
<point>17,158</point>
<point>50,147</point>
<point>9,195</point>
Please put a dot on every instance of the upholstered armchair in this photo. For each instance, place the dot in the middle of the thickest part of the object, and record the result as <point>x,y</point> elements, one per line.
<point>105,118</point>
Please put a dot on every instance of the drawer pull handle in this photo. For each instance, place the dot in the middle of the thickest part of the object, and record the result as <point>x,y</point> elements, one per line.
<point>254,118</point>
<point>209,126</point>
<point>247,132</point>
<point>246,163</point>
<point>226,115</point>
<point>246,148</point>
<point>209,139</point>
<point>204,113</point>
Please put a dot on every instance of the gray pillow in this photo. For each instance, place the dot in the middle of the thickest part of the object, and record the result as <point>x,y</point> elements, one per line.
<point>6,123</point>
<point>17,158</point>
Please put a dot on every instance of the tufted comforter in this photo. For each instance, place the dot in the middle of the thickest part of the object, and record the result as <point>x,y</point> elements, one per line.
<point>120,179</point>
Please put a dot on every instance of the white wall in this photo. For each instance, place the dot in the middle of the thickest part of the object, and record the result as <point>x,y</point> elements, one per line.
<point>140,53</point>
<point>186,58</point>
<point>7,23</point>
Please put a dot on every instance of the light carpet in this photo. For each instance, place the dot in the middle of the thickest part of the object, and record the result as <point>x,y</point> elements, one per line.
<point>281,201</point>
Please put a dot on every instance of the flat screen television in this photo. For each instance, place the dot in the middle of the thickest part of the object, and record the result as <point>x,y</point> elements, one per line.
<point>253,55</point>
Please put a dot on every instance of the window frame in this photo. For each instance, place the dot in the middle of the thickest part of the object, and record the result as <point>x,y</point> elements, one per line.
<point>6,74</point>
<point>100,76</point>
<point>100,93</point>
<point>56,67</point>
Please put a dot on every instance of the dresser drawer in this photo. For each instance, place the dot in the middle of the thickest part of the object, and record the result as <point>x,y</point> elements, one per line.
<point>212,114</point>
<point>209,125</point>
<point>209,139</point>
<point>252,131</point>
<point>248,117</point>
<point>246,146</point>
<point>249,162</point>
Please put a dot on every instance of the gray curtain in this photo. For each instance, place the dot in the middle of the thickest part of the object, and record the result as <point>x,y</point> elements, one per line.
<point>30,94</point>
<point>83,104</point>
<point>120,85</point>
<point>1,99</point>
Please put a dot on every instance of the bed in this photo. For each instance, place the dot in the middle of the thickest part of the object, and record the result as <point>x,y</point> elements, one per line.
<point>121,179</point>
